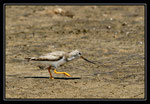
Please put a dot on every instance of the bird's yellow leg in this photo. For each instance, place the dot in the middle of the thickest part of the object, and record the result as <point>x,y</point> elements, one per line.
<point>62,73</point>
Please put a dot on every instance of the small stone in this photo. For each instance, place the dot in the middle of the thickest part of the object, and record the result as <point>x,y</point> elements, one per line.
<point>115,36</point>
<point>58,11</point>
<point>108,27</point>
<point>127,33</point>
<point>116,33</point>
<point>94,7</point>
<point>124,24</point>
<point>123,62</point>
<point>94,28</point>
<point>140,42</point>
<point>111,19</point>
<point>75,82</point>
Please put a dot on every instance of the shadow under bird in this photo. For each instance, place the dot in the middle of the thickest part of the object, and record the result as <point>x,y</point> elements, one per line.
<point>56,59</point>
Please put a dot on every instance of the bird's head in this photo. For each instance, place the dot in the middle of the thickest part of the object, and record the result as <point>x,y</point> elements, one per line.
<point>75,53</point>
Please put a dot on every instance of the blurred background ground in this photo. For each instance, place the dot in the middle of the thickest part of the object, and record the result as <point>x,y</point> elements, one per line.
<point>112,36</point>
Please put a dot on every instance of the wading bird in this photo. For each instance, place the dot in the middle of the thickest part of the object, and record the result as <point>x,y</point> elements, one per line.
<point>56,59</point>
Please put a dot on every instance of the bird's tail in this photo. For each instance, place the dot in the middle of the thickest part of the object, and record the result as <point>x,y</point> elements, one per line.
<point>27,58</point>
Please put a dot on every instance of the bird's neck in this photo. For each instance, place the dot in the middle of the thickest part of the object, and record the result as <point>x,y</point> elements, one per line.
<point>70,58</point>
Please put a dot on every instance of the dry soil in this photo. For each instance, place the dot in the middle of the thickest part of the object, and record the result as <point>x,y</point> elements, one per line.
<point>111,36</point>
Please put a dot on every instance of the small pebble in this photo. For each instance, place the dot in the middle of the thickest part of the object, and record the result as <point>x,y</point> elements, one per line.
<point>108,27</point>
<point>94,7</point>
<point>115,36</point>
<point>116,33</point>
<point>58,10</point>
<point>140,42</point>
<point>111,19</point>
<point>124,24</point>
<point>127,33</point>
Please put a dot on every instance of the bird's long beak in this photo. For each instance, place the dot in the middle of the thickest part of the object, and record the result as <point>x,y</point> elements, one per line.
<point>87,60</point>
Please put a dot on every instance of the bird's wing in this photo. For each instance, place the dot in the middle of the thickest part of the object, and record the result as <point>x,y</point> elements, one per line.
<point>54,56</point>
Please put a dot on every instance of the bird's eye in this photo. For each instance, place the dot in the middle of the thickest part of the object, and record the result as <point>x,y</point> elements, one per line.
<point>79,53</point>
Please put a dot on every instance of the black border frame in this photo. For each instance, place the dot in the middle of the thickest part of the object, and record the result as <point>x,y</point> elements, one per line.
<point>76,4</point>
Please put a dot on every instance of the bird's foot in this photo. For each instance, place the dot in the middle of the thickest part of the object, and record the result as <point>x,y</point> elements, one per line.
<point>51,78</point>
<point>67,74</point>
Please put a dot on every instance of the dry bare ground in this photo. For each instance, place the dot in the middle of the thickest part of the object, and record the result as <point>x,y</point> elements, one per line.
<point>111,36</point>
